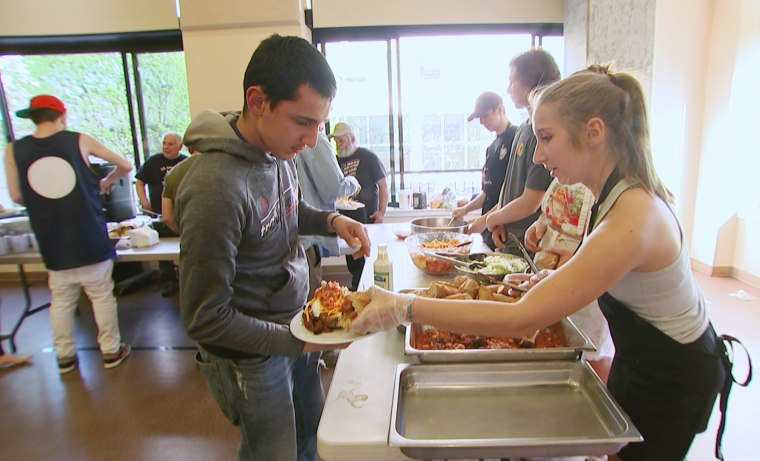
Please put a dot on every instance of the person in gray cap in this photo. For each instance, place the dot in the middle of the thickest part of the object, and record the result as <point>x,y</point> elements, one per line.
<point>366,167</point>
<point>489,108</point>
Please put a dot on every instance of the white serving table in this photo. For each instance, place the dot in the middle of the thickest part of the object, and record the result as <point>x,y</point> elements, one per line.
<point>356,417</point>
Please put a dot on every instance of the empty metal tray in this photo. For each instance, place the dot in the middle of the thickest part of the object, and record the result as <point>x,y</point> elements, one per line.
<point>493,410</point>
<point>577,342</point>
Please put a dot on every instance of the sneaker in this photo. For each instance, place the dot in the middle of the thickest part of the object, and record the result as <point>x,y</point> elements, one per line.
<point>67,364</point>
<point>113,360</point>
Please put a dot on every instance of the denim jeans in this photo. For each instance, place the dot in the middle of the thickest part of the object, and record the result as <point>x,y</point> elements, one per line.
<point>65,287</point>
<point>276,401</point>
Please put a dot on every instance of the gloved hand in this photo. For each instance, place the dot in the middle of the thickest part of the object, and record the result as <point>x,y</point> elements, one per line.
<point>528,281</point>
<point>385,311</point>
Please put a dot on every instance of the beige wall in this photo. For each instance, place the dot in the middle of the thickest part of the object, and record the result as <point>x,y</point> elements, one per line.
<point>678,92</point>
<point>349,13</point>
<point>726,185</point>
<point>71,17</point>
<point>218,44</point>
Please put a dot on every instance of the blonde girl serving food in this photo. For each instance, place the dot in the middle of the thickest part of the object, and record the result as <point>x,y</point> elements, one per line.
<point>669,364</point>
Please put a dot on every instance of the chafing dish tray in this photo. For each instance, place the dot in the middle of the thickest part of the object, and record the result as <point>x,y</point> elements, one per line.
<point>497,410</point>
<point>576,342</point>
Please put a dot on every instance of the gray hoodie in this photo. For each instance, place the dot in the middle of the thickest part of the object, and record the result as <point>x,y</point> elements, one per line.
<point>243,275</point>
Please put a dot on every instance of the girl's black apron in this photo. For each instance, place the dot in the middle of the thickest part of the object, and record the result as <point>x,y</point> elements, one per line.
<point>667,388</point>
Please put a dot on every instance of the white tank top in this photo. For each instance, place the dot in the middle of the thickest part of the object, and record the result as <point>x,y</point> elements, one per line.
<point>668,298</point>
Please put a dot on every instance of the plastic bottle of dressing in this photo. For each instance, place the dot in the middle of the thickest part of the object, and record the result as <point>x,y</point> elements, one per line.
<point>383,268</point>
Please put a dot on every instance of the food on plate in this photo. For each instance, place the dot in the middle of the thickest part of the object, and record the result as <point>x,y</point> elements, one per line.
<point>346,203</point>
<point>332,307</point>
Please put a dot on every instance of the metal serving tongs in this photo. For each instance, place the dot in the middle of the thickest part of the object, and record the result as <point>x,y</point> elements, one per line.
<point>524,252</point>
<point>457,262</point>
<point>473,266</point>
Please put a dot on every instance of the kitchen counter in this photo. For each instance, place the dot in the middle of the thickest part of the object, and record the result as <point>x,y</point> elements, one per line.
<point>357,413</point>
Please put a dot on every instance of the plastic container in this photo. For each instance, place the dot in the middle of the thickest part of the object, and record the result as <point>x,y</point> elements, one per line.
<point>383,268</point>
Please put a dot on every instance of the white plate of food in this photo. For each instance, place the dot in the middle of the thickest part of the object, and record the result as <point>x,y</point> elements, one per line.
<point>325,317</point>
<point>300,331</point>
<point>348,204</point>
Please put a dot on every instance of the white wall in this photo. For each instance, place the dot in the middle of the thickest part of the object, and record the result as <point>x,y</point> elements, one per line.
<point>727,180</point>
<point>678,94</point>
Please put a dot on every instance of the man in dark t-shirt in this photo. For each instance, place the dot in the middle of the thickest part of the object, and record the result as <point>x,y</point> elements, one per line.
<point>489,109</point>
<point>154,170</point>
<point>152,173</point>
<point>369,171</point>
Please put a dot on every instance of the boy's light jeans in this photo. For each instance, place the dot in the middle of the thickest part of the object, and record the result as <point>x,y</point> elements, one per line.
<point>65,288</point>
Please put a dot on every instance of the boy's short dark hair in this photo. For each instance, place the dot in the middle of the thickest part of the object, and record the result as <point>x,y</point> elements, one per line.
<point>44,115</point>
<point>535,68</point>
<point>281,64</point>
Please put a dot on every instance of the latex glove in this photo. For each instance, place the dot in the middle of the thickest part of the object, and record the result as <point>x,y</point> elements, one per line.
<point>528,280</point>
<point>385,311</point>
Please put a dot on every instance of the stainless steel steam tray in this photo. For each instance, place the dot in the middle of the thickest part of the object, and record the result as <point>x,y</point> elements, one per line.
<point>576,340</point>
<point>497,410</point>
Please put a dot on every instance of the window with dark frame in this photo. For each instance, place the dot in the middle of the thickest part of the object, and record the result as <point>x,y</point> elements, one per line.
<point>408,92</point>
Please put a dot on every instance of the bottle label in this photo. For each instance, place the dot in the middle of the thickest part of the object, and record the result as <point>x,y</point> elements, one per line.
<point>383,280</point>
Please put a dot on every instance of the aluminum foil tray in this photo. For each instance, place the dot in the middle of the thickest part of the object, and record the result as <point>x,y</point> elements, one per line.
<point>499,410</point>
<point>577,342</point>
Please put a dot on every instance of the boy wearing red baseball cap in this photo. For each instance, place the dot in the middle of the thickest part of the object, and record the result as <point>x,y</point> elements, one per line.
<point>49,172</point>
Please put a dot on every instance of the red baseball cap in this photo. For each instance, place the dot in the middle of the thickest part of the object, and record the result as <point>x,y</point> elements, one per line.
<point>43,101</point>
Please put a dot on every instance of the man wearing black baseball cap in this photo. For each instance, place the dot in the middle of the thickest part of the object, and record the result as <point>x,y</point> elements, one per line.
<point>489,108</point>
<point>49,172</point>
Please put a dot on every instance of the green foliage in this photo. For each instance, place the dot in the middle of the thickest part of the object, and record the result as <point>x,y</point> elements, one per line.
<point>94,90</point>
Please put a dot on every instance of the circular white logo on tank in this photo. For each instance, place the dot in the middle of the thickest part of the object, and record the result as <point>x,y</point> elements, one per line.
<point>51,177</point>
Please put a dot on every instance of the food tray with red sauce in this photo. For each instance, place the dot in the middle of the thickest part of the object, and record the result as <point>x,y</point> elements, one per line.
<point>561,341</point>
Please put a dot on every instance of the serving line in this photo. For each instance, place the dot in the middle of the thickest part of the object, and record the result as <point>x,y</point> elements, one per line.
<point>166,249</point>
<point>357,414</point>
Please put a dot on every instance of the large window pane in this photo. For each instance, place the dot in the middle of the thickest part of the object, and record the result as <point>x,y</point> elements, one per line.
<point>361,70</point>
<point>91,85</point>
<point>164,85</point>
<point>440,79</point>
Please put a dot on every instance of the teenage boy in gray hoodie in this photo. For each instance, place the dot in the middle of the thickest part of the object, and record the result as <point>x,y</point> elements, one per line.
<point>243,274</point>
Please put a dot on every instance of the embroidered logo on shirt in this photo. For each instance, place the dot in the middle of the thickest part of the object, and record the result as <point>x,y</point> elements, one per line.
<point>520,149</point>
<point>270,220</point>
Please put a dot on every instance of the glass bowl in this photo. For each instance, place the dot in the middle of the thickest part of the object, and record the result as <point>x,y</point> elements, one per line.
<point>444,243</point>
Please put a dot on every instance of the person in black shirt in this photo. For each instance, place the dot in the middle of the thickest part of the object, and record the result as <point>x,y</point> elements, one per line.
<point>489,109</point>
<point>369,171</point>
<point>152,173</point>
<point>154,170</point>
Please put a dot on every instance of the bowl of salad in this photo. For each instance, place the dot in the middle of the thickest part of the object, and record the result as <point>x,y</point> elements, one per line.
<point>493,267</point>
